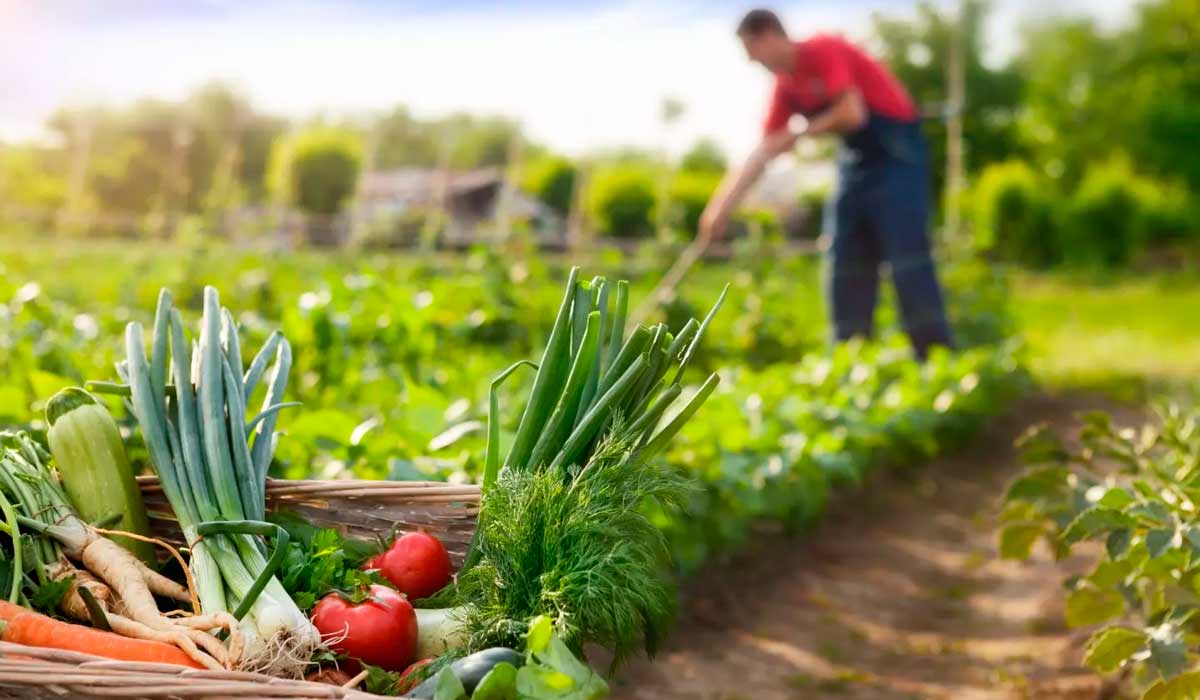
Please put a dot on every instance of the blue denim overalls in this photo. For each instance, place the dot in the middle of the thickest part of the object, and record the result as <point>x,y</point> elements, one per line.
<point>879,212</point>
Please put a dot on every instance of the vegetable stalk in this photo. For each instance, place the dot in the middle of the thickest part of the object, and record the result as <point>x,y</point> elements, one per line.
<point>212,462</point>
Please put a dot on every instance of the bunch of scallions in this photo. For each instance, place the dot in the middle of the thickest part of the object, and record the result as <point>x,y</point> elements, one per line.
<point>212,463</point>
<point>566,525</point>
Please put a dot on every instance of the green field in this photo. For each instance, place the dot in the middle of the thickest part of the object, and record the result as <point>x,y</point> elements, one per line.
<point>1128,334</point>
<point>393,356</point>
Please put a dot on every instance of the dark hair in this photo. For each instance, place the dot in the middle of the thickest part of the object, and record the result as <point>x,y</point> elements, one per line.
<point>758,22</point>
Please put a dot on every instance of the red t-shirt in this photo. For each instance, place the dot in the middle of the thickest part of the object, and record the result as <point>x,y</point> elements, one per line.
<point>827,66</point>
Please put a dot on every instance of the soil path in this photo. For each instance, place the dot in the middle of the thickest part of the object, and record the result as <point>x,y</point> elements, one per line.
<point>898,594</point>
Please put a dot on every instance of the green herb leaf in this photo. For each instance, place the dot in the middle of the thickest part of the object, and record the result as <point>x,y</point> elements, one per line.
<point>1017,539</point>
<point>500,683</point>
<point>1182,687</point>
<point>449,687</point>
<point>379,681</point>
<point>1089,606</point>
<point>1094,521</point>
<point>49,595</point>
<point>1168,650</point>
<point>1109,648</point>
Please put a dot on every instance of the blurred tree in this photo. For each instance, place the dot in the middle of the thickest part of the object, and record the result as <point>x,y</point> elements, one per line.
<point>316,170</point>
<point>704,157</point>
<point>1167,74</point>
<point>1071,112</point>
<point>621,201</point>
<point>32,177</point>
<point>551,179</point>
<point>478,142</point>
<point>1093,94</point>
<point>405,141</point>
<point>473,142</point>
<point>917,50</point>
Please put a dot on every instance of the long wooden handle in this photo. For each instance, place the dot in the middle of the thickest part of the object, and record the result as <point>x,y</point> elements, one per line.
<point>669,283</point>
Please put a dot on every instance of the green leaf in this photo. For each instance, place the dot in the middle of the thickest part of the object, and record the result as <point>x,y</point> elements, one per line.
<point>1153,512</point>
<point>1094,521</point>
<point>558,675</point>
<point>1089,606</point>
<point>500,683</point>
<point>1182,687</point>
<point>1117,542</point>
<point>1017,539</point>
<point>1159,541</point>
<point>1039,484</point>
<point>541,628</point>
<point>49,595</point>
<point>1039,444</point>
<point>1111,647</point>
<point>1110,574</point>
<point>325,425</point>
<point>448,686</point>
<point>1168,650</point>
<point>1192,535</point>
<point>379,681</point>
<point>1115,498</point>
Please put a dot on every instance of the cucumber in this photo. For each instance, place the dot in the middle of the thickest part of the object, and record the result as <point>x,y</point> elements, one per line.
<point>470,670</point>
<point>96,474</point>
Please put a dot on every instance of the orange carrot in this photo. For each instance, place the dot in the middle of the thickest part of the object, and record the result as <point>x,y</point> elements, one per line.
<point>10,610</point>
<point>22,626</point>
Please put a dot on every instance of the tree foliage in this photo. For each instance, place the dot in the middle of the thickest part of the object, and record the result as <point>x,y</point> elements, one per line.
<point>316,170</point>
<point>918,51</point>
<point>552,180</point>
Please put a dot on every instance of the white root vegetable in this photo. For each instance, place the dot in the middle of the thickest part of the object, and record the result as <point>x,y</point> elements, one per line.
<point>439,631</point>
<point>122,586</point>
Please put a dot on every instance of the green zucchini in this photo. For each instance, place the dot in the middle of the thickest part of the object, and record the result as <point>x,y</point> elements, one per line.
<point>95,471</point>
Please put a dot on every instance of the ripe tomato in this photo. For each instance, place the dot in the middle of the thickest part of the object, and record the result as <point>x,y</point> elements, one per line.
<point>380,630</point>
<point>416,564</point>
<point>408,679</point>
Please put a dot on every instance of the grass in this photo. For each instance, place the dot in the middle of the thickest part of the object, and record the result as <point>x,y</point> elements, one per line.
<point>1129,336</point>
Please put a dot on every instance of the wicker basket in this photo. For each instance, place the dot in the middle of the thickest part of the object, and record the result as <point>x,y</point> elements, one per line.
<point>359,509</point>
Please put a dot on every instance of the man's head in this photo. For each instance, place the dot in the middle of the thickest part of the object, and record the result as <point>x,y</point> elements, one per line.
<point>765,40</point>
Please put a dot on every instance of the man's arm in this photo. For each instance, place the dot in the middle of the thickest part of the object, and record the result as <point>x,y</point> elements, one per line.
<point>735,185</point>
<point>847,114</point>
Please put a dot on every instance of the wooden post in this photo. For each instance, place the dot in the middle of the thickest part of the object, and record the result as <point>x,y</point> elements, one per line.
<point>670,112</point>
<point>223,189</point>
<point>506,199</point>
<point>174,185</point>
<point>81,147</point>
<point>358,220</point>
<point>575,215</point>
<point>956,99</point>
<point>437,219</point>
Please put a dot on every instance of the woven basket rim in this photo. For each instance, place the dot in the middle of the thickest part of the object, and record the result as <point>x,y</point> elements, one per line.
<point>58,671</point>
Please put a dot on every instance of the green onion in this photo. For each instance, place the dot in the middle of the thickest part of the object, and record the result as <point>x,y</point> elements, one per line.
<point>198,437</point>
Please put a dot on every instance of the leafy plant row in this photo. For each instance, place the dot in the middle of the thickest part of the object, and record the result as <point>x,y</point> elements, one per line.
<point>1132,496</point>
<point>393,357</point>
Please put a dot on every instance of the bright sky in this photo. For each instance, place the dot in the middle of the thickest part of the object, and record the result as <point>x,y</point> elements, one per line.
<point>579,75</point>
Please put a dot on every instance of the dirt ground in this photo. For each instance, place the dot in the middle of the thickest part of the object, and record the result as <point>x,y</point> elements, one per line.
<point>899,594</point>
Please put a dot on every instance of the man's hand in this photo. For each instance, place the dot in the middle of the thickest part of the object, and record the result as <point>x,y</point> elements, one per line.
<point>713,222</point>
<point>733,188</point>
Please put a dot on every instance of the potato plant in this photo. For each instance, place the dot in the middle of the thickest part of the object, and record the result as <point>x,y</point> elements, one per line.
<point>1132,495</point>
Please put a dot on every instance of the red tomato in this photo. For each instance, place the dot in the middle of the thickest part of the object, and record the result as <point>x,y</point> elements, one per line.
<point>408,680</point>
<point>381,630</point>
<point>416,564</point>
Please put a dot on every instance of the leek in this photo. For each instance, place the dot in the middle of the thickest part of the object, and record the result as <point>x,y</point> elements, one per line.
<point>212,462</point>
